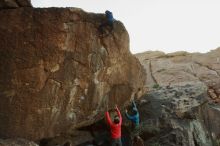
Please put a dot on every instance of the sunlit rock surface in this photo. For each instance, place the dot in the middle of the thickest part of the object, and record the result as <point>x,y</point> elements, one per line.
<point>168,71</point>
<point>176,68</point>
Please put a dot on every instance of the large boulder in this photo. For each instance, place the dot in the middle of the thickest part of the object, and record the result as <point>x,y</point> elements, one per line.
<point>176,116</point>
<point>58,73</point>
<point>179,68</point>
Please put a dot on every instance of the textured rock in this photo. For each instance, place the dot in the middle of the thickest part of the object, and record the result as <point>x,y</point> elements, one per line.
<point>75,139</point>
<point>8,4</point>
<point>176,116</point>
<point>24,3</point>
<point>173,116</point>
<point>179,67</point>
<point>56,72</point>
<point>16,142</point>
<point>212,121</point>
<point>169,70</point>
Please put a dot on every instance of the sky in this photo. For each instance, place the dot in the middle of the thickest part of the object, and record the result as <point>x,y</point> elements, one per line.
<point>164,25</point>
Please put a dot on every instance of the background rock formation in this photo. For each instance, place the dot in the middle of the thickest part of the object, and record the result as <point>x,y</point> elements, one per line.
<point>56,72</point>
<point>176,116</point>
<point>168,71</point>
<point>177,68</point>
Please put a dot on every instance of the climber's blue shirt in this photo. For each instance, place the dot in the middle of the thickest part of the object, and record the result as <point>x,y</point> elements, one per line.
<point>134,118</point>
<point>109,16</point>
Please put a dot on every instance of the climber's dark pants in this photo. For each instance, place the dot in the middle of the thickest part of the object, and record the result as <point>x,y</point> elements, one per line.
<point>105,25</point>
<point>116,142</point>
<point>135,130</point>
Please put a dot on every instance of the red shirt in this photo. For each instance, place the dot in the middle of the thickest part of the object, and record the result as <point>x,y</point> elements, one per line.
<point>115,128</point>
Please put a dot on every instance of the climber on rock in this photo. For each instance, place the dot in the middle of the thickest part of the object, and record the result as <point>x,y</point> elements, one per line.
<point>108,22</point>
<point>134,119</point>
<point>115,127</point>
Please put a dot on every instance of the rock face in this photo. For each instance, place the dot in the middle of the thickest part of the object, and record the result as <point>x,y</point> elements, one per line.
<point>176,116</point>
<point>176,68</point>
<point>170,116</point>
<point>7,4</point>
<point>180,68</point>
<point>56,72</point>
<point>16,142</point>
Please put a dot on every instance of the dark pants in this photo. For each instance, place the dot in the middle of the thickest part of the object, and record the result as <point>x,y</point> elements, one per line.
<point>116,142</point>
<point>105,25</point>
<point>135,130</point>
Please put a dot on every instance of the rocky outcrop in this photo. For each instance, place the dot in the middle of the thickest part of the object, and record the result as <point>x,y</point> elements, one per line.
<point>10,4</point>
<point>176,116</point>
<point>177,68</point>
<point>180,68</point>
<point>57,73</point>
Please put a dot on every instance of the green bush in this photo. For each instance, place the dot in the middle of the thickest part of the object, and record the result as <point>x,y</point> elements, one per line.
<point>156,86</point>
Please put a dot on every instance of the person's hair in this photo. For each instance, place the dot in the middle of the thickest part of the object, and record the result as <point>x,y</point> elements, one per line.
<point>116,120</point>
